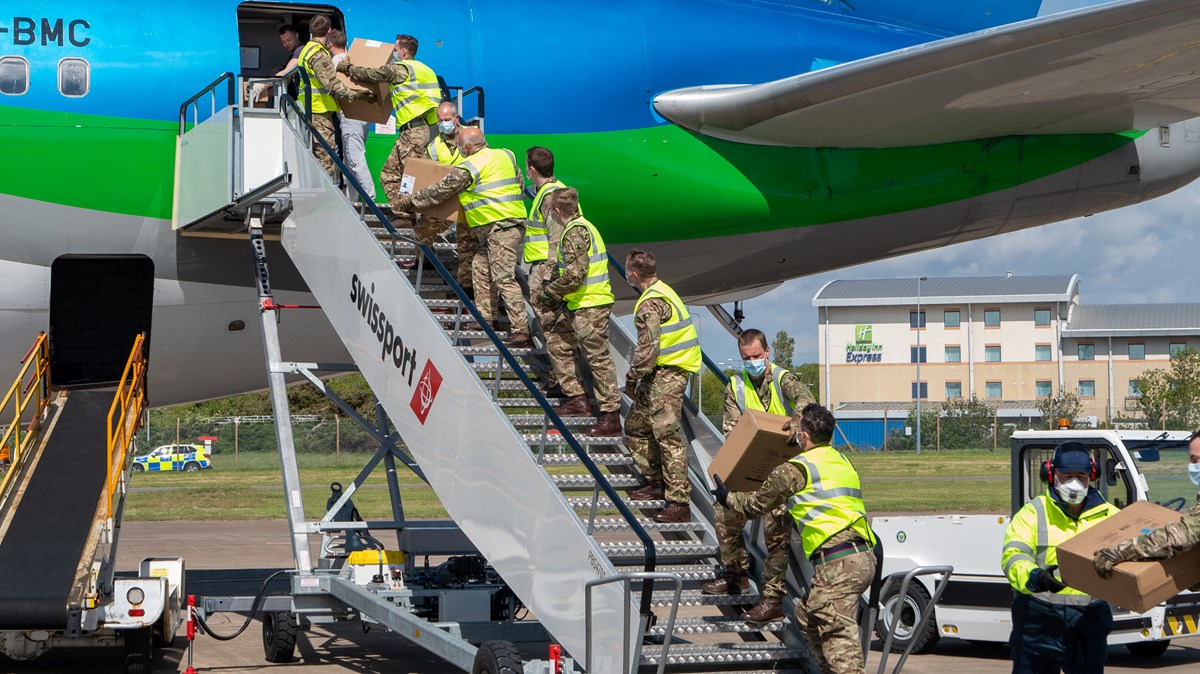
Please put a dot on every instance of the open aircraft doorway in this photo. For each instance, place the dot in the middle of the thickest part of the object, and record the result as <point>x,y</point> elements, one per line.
<point>259,23</point>
<point>98,305</point>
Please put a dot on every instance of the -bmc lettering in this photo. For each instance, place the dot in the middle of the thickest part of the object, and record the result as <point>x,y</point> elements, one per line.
<point>391,344</point>
<point>26,31</point>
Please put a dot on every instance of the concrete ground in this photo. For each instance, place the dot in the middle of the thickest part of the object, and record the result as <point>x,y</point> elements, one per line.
<point>233,558</point>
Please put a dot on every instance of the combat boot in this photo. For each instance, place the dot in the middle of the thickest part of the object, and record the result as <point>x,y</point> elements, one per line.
<point>577,406</point>
<point>651,491</point>
<point>554,393</point>
<point>770,608</point>
<point>674,513</point>
<point>608,425</point>
<point>519,340</point>
<point>729,583</point>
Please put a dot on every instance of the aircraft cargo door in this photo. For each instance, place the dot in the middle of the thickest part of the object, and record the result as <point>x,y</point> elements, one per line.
<point>98,304</point>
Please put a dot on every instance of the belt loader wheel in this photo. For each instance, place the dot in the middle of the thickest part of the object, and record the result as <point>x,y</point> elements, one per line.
<point>497,657</point>
<point>915,606</point>
<point>1148,649</point>
<point>137,651</point>
<point>279,635</point>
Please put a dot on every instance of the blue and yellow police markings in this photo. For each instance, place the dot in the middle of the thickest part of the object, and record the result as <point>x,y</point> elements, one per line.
<point>1180,625</point>
<point>167,458</point>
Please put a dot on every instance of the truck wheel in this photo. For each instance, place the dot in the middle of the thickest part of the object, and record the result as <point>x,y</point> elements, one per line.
<point>915,605</point>
<point>1148,649</point>
<point>497,657</point>
<point>137,651</point>
<point>279,635</point>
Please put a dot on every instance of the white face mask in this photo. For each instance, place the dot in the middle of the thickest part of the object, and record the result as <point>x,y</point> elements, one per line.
<point>1072,491</point>
<point>1194,473</point>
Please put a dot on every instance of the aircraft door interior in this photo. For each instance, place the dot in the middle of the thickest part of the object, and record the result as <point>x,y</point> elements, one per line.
<point>98,305</point>
<point>262,54</point>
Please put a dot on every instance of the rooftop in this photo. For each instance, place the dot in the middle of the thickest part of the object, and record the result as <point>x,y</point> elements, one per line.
<point>1133,320</point>
<point>948,290</point>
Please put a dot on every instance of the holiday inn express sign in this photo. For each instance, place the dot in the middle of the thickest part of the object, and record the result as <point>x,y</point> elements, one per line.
<point>864,349</point>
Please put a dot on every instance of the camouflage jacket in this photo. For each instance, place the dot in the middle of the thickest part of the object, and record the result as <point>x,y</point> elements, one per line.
<point>391,73</point>
<point>1164,542</point>
<point>648,320</point>
<point>793,389</point>
<point>455,182</point>
<point>576,243</point>
<point>323,67</point>
<point>780,485</point>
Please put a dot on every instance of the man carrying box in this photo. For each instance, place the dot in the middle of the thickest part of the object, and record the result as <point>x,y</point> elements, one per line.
<point>1055,626</point>
<point>763,387</point>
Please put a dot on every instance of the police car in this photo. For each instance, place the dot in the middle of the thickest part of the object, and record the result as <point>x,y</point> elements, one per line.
<point>188,458</point>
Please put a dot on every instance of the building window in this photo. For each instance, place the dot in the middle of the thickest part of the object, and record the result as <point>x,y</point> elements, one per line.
<point>922,388</point>
<point>916,319</point>
<point>991,353</point>
<point>954,354</point>
<point>14,75</point>
<point>916,354</point>
<point>1042,388</point>
<point>1137,352</point>
<point>953,390</point>
<point>1087,388</point>
<point>1135,388</point>
<point>993,389</point>
<point>1086,351</point>
<point>1041,353</point>
<point>1041,317</point>
<point>1177,349</point>
<point>991,318</point>
<point>74,77</point>
<point>952,319</point>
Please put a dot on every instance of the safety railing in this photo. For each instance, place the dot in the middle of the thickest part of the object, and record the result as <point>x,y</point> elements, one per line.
<point>193,103</point>
<point>506,356</point>
<point>31,388</point>
<point>628,665</point>
<point>125,415</point>
<point>893,625</point>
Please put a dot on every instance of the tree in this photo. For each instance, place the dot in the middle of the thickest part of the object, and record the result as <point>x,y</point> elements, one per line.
<point>782,350</point>
<point>1065,405</point>
<point>810,374</point>
<point>964,424</point>
<point>1170,398</point>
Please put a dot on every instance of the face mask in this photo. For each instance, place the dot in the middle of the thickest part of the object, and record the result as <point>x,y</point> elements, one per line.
<point>629,278</point>
<point>1194,473</point>
<point>755,368</point>
<point>446,127</point>
<point>1072,491</point>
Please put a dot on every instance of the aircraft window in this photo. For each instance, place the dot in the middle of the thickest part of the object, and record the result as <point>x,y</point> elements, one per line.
<point>73,77</point>
<point>14,75</point>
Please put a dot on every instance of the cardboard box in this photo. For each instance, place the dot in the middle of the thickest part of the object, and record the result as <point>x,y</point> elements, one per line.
<point>420,173</point>
<point>369,54</point>
<point>752,450</point>
<point>1138,586</point>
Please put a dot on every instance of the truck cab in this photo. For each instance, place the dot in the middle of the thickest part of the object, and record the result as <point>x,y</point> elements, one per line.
<point>975,604</point>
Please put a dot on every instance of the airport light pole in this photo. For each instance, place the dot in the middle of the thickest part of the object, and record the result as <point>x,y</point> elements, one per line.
<point>920,324</point>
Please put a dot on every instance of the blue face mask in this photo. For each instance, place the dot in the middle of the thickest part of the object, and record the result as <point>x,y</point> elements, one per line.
<point>446,127</point>
<point>755,368</point>
<point>1194,473</point>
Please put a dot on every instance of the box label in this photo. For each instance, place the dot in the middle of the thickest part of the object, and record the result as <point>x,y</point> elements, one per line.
<point>407,183</point>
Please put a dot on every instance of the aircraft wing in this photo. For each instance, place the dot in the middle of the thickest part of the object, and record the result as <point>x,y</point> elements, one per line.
<point>1105,69</point>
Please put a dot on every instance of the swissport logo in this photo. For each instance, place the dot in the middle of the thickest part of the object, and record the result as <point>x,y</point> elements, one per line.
<point>427,390</point>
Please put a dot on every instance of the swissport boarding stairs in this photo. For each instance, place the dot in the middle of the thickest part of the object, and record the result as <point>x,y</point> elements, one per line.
<point>530,490</point>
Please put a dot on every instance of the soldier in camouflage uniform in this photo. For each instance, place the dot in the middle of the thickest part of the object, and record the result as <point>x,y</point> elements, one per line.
<point>667,354</point>
<point>1164,542</point>
<point>583,304</point>
<point>752,344</point>
<point>539,167</point>
<point>443,148</point>
<point>316,60</point>
<point>833,528</point>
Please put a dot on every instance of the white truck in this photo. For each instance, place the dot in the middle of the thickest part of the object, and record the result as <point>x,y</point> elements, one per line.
<point>1135,466</point>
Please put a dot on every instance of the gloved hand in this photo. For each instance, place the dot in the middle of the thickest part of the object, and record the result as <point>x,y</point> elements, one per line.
<point>631,387</point>
<point>1105,559</point>
<point>793,438</point>
<point>403,203</point>
<point>720,491</point>
<point>544,300</point>
<point>1045,581</point>
<point>344,65</point>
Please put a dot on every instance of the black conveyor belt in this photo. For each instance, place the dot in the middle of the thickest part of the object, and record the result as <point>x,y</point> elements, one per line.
<point>42,547</point>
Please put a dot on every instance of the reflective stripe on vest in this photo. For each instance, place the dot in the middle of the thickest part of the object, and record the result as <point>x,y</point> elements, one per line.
<point>495,190</point>
<point>416,95</point>
<point>779,405</point>
<point>442,152</point>
<point>322,100</point>
<point>1051,526</point>
<point>595,290</point>
<point>831,500</point>
<point>537,237</point>
<point>679,343</point>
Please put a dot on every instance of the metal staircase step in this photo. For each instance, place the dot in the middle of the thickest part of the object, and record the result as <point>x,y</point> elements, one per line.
<point>714,625</point>
<point>526,402</point>
<point>536,420</point>
<point>534,439</point>
<point>490,366</point>
<point>491,349</point>
<point>698,598</point>
<point>712,654</point>
<point>585,481</point>
<point>470,334</point>
<point>632,549</point>
<point>585,503</point>
<point>429,302</point>
<point>437,245</point>
<point>600,459</point>
<point>691,572</point>
<point>619,524</point>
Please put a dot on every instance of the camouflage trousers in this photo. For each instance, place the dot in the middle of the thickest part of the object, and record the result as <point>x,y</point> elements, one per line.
<point>464,240</point>
<point>494,272</point>
<point>427,229</point>
<point>584,330</point>
<point>323,123</point>
<point>653,433</point>
<point>826,617</point>
<point>410,143</point>
<point>540,275</point>
<point>777,533</point>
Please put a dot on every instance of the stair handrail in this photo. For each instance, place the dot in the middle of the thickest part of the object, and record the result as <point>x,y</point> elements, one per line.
<point>231,98</point>
<point>35,364</point>
<point>450,280</point>
<point>626,581</point>
<point>125,415</point>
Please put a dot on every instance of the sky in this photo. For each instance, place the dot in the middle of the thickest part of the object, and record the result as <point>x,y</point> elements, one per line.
<point>1138,254</point>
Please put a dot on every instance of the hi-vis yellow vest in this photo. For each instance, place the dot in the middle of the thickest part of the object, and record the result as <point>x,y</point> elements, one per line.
<point>417,95</point>
<point>442,152</point>
<point>747,394</point>
<point>495,189</point>
<point>596,290</point>
<point>322,100</point>
<point>537,237</point>
<point>830,502</point>
<point>679,344</point>
<point>1032,539</point>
